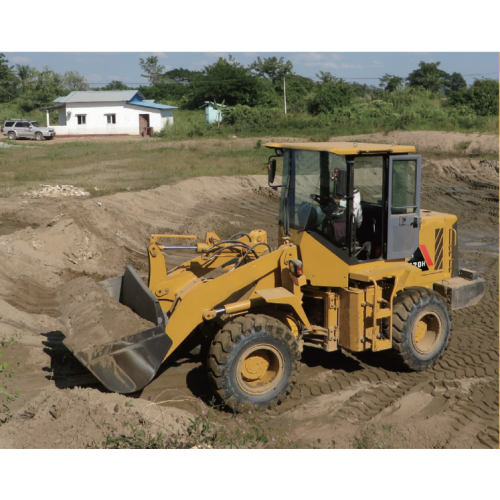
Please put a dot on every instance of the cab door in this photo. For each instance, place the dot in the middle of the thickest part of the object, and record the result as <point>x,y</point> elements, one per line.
<point>403,207</point>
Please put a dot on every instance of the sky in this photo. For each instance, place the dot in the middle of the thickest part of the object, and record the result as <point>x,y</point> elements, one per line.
<point>100,68</point>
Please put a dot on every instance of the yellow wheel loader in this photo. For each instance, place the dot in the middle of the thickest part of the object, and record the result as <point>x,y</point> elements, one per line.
<point>359,266</point>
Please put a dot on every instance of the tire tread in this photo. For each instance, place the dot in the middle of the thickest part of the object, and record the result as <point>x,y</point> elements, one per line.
<point>225,340</point>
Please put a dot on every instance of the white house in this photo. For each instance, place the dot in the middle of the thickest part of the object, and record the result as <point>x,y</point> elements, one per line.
<point>109,112</point>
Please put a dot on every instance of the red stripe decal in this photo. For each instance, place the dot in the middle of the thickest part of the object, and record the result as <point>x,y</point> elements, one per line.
<point>426,255</point>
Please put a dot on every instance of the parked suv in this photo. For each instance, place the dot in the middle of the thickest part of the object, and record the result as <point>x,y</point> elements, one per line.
<point>19,128</point>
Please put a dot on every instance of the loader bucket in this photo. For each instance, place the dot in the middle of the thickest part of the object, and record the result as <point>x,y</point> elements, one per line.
<point>129,363</point>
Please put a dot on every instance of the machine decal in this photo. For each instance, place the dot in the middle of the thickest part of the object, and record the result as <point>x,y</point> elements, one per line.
<point>438,249</point>
<point>421,258</point>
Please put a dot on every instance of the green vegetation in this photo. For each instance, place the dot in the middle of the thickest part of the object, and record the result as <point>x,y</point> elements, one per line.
<point>384,436</point>
<point>427,99</point>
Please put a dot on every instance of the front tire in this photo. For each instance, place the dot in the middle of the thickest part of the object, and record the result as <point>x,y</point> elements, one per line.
<point>39,136</point>
<point>253,361</point>
<point>12,136</point>
<point>421,328</point>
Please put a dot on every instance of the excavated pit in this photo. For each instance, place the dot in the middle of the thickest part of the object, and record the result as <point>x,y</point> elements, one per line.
<point>338,396</point>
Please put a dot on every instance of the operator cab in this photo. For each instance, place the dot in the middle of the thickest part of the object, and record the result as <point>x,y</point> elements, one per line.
<point>361,201</point>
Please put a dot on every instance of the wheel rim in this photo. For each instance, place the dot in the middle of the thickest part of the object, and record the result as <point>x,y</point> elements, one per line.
<point>260,369</point>
<point>427,332</point>
<point>12,136</point>
<point>38,137</point>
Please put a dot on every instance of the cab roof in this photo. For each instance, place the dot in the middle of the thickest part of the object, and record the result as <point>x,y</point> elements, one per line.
<point>341,148</point>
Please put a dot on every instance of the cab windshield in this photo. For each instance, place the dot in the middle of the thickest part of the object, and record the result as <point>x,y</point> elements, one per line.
<point>308,196</point>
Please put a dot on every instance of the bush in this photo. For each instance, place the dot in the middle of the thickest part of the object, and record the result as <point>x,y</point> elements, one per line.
<point>247,118</point>
<point>329,97</point>
<point>481,97</point>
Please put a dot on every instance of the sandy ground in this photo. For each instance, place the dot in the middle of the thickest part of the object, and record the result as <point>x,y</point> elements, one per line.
<point>340,400</point>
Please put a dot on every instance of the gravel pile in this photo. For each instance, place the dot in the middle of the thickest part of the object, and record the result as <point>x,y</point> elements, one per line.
<point>56,191</point>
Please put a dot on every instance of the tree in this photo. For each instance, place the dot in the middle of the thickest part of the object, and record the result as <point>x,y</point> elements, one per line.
<point>225,79</point>
<point>47,87</point>
<point>484,96</point>
<point>390,83</point>
<point>428,76</point>
<point>72,80</point>
<point>329,97</point>
<point>8,80</point>
<point>327,77</point>
<point>153,71</point>
<point>454,82</point>
<point>218,108</point>
<point>26,75</point>
<point>115,85</point>
<point>272,68</point>
<point>481,97</point>
<point>166,93</point>
<point>182,74</point>
<point>362,89</point>
<point>298,90</point>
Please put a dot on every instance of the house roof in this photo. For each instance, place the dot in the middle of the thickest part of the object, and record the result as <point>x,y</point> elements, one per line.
<point>57,106</point>
<point>100,96</point>
<point>151,104</point>
<point>341,148</point>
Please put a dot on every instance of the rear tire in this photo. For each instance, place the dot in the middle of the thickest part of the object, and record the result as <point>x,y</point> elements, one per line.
<point>253,361</point>
<point>421,328</point>
<point>12,136</point>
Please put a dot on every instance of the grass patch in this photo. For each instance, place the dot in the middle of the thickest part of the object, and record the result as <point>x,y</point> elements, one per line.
<point>143,164</point>
<point>384,436</point>
<point>116,166</point>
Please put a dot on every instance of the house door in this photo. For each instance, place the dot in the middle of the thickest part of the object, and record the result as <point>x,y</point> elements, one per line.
<point>143,124</point>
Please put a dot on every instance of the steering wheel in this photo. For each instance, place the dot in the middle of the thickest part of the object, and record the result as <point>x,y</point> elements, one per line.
<point>328,205</point>
<point>322,200</point>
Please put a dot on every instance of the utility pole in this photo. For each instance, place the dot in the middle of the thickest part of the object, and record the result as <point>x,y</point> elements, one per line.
<point>284,93</point>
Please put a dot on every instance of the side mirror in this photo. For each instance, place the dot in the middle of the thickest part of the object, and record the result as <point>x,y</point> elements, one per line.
<point>271,172</point>
<point>341,184</point>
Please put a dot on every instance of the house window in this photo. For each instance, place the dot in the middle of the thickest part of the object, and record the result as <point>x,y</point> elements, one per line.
<point>111,118</point>
<point>82,119</point>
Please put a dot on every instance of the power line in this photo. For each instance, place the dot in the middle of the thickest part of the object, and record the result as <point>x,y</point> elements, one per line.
<point>245,79</point>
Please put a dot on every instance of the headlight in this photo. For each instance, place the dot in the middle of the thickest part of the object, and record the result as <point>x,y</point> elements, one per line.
<point>296,267</point>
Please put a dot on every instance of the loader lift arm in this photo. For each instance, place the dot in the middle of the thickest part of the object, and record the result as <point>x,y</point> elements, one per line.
<point>179,301</point>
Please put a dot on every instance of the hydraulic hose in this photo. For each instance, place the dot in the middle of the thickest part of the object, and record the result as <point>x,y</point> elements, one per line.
<point>241,234</point>
<point>251,249</point>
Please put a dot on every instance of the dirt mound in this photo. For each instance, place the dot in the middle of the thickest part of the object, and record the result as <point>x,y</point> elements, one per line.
<point>463,169</point>
<point>91,317</point>
<point>46,242</point>
<point>82,418</point>
<point>430,141</point>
